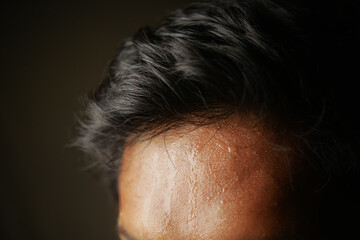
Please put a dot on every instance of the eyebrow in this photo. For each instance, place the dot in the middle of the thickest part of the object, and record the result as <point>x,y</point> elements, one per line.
<point>122,231</point>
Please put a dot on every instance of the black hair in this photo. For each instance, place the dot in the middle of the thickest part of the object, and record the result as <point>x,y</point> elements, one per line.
<point>293,64</point>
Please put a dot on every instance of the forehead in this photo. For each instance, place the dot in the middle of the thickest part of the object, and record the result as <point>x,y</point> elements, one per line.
<point>224,179</point>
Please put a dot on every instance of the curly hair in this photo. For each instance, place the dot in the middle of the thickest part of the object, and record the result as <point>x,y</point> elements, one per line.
<point>292,64</point>
<point>275,59</point>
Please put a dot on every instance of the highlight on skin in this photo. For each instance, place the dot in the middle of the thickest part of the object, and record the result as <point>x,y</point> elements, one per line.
<point>227,180</point>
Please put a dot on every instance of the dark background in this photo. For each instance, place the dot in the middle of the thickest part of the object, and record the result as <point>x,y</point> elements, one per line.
<point>52,55</point>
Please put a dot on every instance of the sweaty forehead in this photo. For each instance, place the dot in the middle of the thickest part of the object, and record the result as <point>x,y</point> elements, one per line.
<point>219,181</point>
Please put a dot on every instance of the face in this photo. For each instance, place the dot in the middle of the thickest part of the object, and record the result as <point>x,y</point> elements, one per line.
<point>228,181</point>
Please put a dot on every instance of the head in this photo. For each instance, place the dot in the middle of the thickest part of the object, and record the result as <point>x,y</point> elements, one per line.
<point>228,121</point>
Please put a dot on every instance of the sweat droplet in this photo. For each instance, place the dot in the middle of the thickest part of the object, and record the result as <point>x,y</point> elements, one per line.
<point>229,149</point>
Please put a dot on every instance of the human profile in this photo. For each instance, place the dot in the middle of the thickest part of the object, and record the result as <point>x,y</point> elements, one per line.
<point>232,120</point>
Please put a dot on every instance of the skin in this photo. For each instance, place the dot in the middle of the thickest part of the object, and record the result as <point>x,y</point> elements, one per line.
<point>230,181</point>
